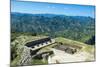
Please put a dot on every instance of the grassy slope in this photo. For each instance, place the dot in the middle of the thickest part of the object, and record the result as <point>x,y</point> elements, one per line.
<point>86,47</point>
<point>21,40</point>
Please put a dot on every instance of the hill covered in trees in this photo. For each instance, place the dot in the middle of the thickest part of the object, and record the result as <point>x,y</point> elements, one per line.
<point>78,28</point>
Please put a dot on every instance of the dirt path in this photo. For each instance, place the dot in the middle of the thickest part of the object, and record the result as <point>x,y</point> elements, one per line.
<point>62,57</point>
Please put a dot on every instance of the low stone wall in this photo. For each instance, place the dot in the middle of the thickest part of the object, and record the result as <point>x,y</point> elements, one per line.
<point>67,48</point>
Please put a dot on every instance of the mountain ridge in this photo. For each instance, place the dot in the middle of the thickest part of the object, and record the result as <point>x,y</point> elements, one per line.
<point>72,27</point>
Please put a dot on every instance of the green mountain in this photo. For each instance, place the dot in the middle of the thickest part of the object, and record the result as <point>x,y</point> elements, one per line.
<point>78,28</point>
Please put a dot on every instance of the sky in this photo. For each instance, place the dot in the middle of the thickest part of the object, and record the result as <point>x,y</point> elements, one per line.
<point>52,8</point>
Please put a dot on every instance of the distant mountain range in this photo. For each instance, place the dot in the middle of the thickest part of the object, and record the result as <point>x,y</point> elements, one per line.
<point>73,27</point>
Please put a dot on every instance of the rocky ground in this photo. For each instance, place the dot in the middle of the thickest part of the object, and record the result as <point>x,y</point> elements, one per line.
<point>63,57</point>
<point>57,56</point>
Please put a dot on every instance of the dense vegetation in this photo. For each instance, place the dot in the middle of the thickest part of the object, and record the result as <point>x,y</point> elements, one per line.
<point>78,28</point>
<point>91,41</point>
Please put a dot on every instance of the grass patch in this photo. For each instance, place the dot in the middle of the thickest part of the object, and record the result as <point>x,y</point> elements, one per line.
<point>38,62</point>
<point>85,47</point>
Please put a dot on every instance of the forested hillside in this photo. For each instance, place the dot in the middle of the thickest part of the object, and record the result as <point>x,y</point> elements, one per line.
<point>78,28</point>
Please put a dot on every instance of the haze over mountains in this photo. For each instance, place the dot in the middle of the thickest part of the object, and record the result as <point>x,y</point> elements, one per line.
<point>79,28</point>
